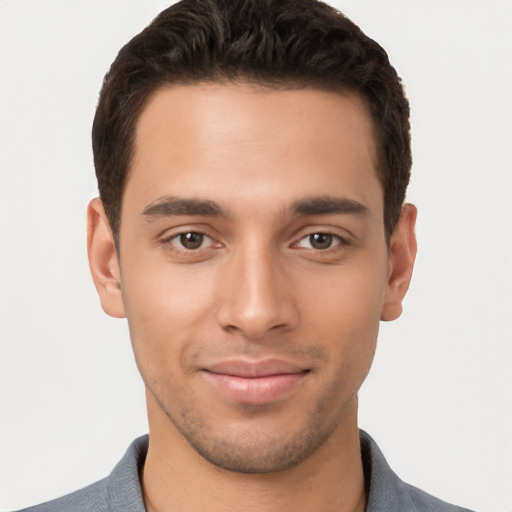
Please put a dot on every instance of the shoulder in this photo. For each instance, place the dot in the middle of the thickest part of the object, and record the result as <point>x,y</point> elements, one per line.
<point>388,492</point>
<point>119,492</point>
<point>424,502</point>
<point>94,497</point>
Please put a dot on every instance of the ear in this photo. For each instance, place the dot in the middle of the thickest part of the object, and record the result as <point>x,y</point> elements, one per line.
<point>402,253</point>
<point>103,260</point>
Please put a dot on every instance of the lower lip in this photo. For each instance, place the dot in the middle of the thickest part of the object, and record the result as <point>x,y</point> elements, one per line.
<point>255,390</point>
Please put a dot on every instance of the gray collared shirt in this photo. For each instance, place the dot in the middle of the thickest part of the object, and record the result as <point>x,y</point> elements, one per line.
<point>121,490</point>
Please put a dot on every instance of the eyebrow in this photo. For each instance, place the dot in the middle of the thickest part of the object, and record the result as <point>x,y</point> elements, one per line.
<point>168,206</point>
<point>327,205</point>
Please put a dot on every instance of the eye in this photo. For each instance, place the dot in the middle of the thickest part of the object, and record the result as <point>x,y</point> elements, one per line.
<point>190,241</point>
<point>319,241</point>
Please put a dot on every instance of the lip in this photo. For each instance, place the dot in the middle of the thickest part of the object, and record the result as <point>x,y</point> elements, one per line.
<point>255,382</point>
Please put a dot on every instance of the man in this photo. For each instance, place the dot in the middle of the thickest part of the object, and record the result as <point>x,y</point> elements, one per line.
<point>252,160</point>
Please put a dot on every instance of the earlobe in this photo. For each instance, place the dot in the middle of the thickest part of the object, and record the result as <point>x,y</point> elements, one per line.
<point>103,260</point>
<point>402,253</point>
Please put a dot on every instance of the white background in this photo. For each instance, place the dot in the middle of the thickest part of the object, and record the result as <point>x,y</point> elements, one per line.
<point>438,400</point>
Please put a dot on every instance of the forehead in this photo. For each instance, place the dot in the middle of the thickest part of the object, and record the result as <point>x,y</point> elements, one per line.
<point>220,139</point>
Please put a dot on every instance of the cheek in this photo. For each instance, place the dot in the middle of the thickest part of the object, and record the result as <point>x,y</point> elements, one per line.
<point>344,314</point>
<point>351,336</point>
<point>349,299</point>
<point>157,292</point>
<point>167,308</point>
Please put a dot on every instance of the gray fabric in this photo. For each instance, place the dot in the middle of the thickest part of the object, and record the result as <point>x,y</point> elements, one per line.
<point>121,491</point>
<point>387,493</point>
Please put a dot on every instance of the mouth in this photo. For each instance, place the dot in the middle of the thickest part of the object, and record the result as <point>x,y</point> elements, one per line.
<point>255,382</point>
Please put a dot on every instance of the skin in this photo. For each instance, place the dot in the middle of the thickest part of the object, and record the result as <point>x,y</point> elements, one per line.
<point>257,285</point>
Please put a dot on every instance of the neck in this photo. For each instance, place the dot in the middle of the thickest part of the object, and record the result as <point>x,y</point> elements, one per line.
<point>176,478</point>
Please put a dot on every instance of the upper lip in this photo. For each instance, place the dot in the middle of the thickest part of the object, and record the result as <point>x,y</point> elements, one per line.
<point>253,369</point>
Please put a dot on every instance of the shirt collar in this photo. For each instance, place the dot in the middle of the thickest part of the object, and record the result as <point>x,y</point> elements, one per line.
<point>386,492</point>
<point>124,484</point>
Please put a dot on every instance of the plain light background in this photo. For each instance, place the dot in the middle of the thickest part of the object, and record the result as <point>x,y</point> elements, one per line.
<point>438,399</point>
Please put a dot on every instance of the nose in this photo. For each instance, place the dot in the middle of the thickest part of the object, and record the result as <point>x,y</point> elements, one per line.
<point>257,295</point>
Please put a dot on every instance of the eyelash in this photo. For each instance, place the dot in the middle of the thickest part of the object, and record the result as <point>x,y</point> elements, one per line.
<point>171,245</point>
<point>337,241</point>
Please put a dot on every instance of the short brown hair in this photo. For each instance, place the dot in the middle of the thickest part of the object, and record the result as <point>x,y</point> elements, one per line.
<point>276,43</point>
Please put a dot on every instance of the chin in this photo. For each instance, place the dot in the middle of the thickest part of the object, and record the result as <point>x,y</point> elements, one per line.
<point>265,456</point>
<point>252,448</point>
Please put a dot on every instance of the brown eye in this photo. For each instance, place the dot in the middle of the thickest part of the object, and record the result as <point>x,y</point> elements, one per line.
<point>320,240</point>
<point>191,240</point>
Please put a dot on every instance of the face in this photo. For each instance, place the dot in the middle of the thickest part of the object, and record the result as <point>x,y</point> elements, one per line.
<point>253,267</point>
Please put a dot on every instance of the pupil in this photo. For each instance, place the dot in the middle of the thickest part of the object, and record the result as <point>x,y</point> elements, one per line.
<point>320,240</point>
<point>191,240</point>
